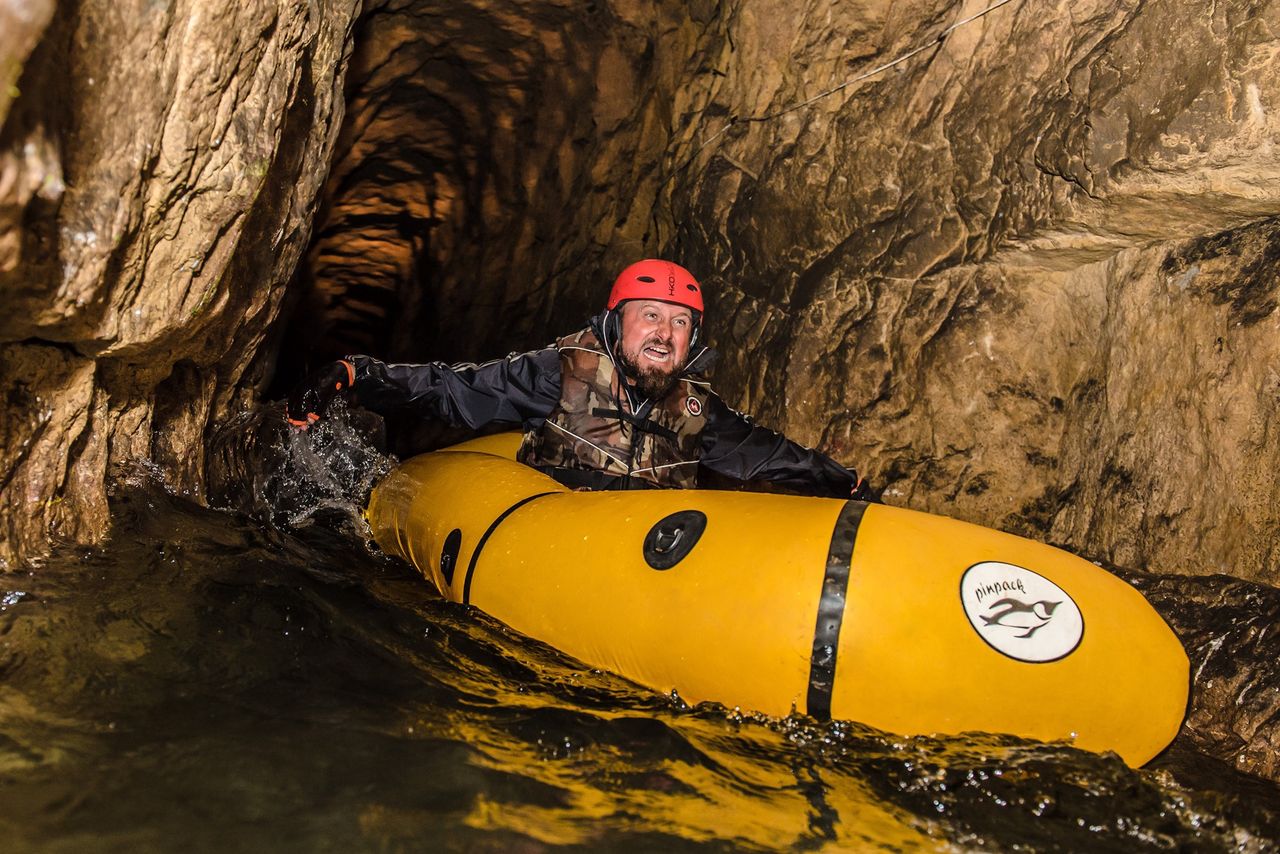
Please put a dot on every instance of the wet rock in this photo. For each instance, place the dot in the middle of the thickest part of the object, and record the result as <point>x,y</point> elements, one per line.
<point>975,275</point>
<point>53,430</point>
<point>28,166</point>
<point>158,175</point>
<point>1229,628</point>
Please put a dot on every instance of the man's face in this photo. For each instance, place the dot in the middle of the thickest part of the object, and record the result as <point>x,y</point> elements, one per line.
<point>655,342</point>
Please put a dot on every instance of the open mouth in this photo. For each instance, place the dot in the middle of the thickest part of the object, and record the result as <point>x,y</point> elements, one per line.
<point>657,353</point>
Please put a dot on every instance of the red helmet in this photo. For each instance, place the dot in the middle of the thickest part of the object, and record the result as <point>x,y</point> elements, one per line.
<point>656,279</point>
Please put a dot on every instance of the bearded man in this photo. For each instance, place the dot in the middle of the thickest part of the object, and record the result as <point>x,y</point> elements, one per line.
<point>621,404</point>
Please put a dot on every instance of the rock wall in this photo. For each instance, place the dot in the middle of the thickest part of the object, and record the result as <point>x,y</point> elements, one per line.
<point>160,167</point>
<point>1025,277</point>
<point>1227,627</point>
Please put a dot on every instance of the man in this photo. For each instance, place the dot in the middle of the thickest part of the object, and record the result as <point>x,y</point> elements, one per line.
<point>618,405</point>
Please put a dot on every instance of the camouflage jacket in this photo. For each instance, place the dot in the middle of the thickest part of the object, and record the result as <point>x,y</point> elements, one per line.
<point>597,426</point>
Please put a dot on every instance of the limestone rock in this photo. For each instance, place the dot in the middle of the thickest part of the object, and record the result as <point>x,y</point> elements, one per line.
<point>192,141</point>
<point>28,166</point>
<point>1228,628</point>
<point>1024,279</point>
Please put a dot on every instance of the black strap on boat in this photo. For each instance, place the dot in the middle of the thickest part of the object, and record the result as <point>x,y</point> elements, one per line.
<point>644,424</point>
<point>475,555</point>
<point>826,634</point>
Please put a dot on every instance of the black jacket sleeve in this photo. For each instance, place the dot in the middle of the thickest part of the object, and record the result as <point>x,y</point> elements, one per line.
<point>734,447</point>
<point>520,389</point>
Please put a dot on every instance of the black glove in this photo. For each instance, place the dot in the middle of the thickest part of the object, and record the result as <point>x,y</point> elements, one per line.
<point>863,491</point>
<point>309,398</point>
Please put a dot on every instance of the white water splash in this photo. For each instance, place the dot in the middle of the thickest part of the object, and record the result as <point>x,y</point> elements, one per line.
<point>330,466</point>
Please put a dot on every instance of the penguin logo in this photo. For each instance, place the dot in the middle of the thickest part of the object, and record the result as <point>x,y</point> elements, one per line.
<point>693,406</point>
<point>1020,613</point>
<point>1013,614</point>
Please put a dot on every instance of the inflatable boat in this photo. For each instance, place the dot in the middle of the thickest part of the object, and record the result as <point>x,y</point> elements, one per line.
<point>908,622</point>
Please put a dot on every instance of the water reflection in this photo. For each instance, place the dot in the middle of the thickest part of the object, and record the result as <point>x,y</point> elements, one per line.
<point>207,683</point>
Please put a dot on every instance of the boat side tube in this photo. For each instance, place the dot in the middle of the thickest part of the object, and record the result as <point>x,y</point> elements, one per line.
<point>905,621</point>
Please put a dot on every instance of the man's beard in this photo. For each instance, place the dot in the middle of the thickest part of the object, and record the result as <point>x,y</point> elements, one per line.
<point>652,382</point>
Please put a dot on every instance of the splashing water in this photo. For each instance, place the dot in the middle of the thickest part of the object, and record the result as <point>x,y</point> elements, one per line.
<point>261,464</point>
<point>333,465</point>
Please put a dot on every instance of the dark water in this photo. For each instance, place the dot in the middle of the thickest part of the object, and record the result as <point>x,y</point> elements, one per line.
<point>208,683</point>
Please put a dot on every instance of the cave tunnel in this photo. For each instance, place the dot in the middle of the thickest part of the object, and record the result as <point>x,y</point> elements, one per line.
<point>475,201</point>
<point>1006,264</point>
<point>1019,263</point>
<point>487,182</point>
<point>496,163</point>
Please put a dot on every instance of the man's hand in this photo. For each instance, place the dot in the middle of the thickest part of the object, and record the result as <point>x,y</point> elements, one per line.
<point>863,491</point>
<point>309,398</point>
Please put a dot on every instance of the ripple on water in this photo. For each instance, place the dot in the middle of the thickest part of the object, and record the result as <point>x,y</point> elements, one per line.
<point>209,683</point>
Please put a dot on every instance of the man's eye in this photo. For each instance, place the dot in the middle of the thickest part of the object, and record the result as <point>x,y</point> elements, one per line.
<point>680,321</point>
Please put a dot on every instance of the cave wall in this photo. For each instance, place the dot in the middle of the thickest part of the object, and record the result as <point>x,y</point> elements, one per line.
<point>1025,278</point>
<point>160,167</point>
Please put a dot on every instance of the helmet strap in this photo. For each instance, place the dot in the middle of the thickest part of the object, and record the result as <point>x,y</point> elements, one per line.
<point>611,329</point>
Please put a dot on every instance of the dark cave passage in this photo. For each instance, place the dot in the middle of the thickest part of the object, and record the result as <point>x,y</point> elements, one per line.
<point>473,181</point>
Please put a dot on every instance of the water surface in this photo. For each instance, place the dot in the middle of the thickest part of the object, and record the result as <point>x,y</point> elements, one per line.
<point>206,682</point>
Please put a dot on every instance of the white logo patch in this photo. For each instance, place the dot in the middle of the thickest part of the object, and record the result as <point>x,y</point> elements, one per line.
<point>693,406</point>
<point>1020,613</point>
